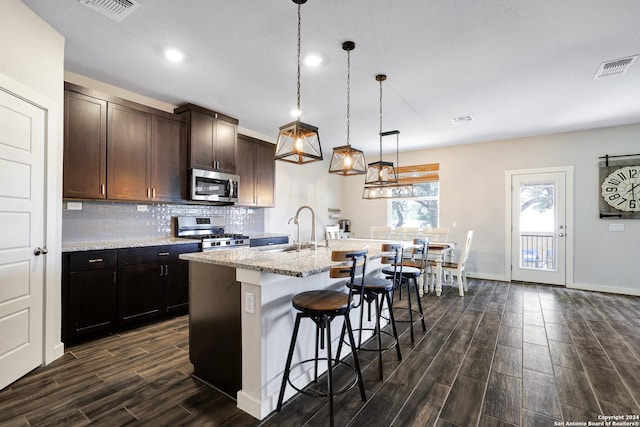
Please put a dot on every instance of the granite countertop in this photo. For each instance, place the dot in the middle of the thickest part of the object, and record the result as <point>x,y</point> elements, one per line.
<point>117,244</point>
<point>278,259</point>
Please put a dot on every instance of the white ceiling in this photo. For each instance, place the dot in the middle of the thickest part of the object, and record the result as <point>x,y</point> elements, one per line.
<point>518,67</point>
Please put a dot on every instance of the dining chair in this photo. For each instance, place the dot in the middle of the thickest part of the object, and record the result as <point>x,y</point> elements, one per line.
<point>419,255</point>
<point>436,234</point>
<point>406,233</point>
<point>380,232</point>
<point>440,234</point>
<point>459,268</point>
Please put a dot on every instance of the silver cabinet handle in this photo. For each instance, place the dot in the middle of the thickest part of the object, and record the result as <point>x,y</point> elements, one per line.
<point>40,251</point>
<point>96,260</point>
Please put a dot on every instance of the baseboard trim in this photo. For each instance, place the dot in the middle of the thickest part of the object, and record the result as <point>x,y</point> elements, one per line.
<point>483,276</point>
<point>604,288</point>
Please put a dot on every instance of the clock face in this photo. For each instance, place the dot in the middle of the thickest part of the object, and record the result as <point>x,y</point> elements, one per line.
<point>621,189</point>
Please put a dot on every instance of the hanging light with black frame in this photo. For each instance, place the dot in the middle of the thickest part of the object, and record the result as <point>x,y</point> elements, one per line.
<point>298,142</point>
<point>393,190</point>
<point>347,160</point>
<point>380,172</point>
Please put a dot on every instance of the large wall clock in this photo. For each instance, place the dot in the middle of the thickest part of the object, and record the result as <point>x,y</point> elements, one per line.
<point>620,187</point>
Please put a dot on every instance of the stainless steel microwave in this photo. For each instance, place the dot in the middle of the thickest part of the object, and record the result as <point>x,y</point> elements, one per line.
<point>209,186</point>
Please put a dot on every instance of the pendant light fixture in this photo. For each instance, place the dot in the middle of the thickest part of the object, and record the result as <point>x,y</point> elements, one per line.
<point>381,172</point>
<point>298,142</point>
<point>393,190</point>
<point>347,160</point>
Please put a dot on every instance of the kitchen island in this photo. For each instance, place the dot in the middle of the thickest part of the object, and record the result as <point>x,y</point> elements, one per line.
<point>257,306</point>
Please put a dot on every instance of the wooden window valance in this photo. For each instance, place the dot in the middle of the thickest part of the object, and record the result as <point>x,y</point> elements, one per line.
<point>418,173</point>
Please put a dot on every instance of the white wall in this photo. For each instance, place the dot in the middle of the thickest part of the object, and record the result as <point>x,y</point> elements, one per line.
<point>472,193</point>
<point>310,184</point>
<point>32,54</point>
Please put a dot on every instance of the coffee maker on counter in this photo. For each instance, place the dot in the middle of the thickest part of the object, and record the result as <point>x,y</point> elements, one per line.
<point>345,228</point>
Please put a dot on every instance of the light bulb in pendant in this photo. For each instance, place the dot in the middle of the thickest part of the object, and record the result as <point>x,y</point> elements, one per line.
<point>347,161</point>
<point>299,144</point>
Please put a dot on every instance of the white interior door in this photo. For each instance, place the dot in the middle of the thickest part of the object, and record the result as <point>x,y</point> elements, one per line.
<point>539,227</point>
<point>22,147</point>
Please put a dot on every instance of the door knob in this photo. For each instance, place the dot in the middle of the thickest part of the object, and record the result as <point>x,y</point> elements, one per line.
<point>40,251</point>
<point>561,235</point>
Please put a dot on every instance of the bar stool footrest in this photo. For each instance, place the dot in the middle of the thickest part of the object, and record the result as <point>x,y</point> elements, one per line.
<point>416,313</point>
<point>371,339</point>
<point>310,391</point>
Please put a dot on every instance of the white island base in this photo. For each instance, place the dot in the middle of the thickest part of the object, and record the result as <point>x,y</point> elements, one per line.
<point>266,335</point>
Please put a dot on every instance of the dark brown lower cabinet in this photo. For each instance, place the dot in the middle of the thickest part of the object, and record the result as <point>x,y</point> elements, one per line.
<point>109,289</point>
<point>178,287</point>
<point>141,292</point>
<point>89,293</point>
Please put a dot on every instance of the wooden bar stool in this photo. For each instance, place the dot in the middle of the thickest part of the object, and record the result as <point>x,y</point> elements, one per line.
<point>322,306</point>
<point>409,276</point>
<point>379,291</point>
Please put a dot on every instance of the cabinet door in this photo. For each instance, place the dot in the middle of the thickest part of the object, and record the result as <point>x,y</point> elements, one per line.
<point>265,175</point>
<point>225,146</point>
<point>202,136</point>
<point>92,302</point>
<point>128,153</point>
<point>85,147</point>
<point>246,167</point>
<point>168,160</point>
<point>141,292</point>
<point>177,277</point>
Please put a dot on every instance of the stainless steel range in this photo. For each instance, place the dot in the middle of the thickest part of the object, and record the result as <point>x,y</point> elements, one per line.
<point>210,230</point>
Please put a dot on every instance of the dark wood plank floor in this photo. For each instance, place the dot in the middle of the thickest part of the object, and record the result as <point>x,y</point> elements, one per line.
<point>505,354</point>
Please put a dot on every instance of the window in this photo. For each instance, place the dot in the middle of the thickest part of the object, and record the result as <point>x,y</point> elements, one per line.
<point>421,211</point>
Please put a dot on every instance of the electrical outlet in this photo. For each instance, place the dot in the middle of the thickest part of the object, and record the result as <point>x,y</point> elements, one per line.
<point>250,303</point>
<point>142,208</point>
<point>74,206</point>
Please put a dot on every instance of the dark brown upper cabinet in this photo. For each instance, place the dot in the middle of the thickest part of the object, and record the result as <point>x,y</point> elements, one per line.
<point>120,150</point>
<point>85,147</point>
<point>168,160</point>
<point>257,170</point>
<point>212,138</point>
<point>128,152</point>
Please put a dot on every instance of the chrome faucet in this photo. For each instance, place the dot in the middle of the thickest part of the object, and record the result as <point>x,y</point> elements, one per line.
<point>313,226</point>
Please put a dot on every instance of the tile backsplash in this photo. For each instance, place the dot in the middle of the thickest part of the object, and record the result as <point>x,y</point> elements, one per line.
<point>107,221</point>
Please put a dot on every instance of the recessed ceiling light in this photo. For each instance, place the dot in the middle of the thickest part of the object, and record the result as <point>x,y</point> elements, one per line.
<point>174,55</point>
<point>313,60</point>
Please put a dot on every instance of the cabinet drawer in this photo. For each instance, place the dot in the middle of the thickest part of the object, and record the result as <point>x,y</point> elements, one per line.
<point>167,253</point>
<point>91,260</point>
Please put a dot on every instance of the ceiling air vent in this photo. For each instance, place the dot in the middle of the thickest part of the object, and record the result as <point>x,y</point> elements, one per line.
<point>462,119</point>
<point>114,9</point>
<point>616,67</point>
